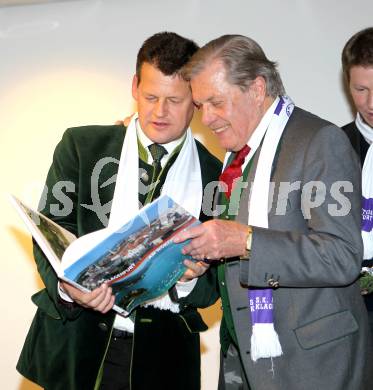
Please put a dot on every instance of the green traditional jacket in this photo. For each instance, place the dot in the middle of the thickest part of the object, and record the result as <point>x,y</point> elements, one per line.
<point>66,343</point>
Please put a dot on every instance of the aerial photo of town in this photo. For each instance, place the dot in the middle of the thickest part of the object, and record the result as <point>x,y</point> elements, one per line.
<point>119,263</point>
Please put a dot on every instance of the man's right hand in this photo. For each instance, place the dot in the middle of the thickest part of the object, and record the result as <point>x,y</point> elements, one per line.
<point>101,299</point>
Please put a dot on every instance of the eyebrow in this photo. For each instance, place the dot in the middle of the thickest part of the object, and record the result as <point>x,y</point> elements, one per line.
<point>359,85</point>
<point>167,97</point>
<point>209,100</point>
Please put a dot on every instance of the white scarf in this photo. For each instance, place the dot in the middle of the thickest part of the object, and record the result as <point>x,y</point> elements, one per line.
<point>183,184</point>
<point>367,189</point>
<point>264,340</point>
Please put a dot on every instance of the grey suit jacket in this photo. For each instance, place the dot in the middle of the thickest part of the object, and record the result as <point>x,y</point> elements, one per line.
<point>312,256</point>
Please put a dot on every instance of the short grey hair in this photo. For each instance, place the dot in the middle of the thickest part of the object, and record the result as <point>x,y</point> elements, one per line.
<point>244,61</point>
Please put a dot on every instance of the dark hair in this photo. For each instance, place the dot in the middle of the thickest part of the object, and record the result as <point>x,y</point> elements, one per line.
<point>243,59</point>
<point>358,51</point>
<point>167,51</point>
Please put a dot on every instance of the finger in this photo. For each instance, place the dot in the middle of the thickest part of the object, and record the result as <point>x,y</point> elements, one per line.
<point>200,267</point>
<point>195,268</point>
<point>200,253</point>
<point>189,233</point>
<point>110,304</point>
<point>197,254</point>
<point>64,285</point>
<point>205,253</point>
<point>99,303</point>
<point>187,249</point>
<point>78,296</point>
<point>103,305</point>
<point>188,275</point>
<point>70,290</point>
<point>127,120</point>
<point>196,246</point>
<point>97,296</point>
<point>204,265</point>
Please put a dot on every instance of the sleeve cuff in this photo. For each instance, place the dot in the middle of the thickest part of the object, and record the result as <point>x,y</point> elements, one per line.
<point>185,288</point>
<point>63,295</point>
<point>244,273</point>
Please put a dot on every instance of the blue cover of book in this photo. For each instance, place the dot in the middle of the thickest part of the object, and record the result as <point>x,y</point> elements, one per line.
<point>139,261</point>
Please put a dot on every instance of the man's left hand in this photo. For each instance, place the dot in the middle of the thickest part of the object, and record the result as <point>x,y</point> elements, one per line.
<point>214,240</point>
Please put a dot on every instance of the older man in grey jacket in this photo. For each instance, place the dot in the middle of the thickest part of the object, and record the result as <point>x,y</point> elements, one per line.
<point>288,232</point>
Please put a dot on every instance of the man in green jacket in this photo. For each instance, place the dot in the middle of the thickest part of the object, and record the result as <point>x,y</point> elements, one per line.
<point>99,176</point>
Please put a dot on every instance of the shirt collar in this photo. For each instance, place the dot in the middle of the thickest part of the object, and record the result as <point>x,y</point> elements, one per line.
<point>258,134</point>
<point>146,141</point>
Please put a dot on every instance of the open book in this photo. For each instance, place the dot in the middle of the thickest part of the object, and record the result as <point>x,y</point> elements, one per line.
<point>139,261</point>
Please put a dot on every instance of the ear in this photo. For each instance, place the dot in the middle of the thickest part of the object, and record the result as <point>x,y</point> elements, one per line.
<point>258,89</point>
<point>135,91</point>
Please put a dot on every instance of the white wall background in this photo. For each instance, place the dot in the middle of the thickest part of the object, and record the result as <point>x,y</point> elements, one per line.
<point>70,63</point>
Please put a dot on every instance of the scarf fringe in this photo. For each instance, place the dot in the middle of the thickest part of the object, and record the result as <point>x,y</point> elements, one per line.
<point>264,342</point>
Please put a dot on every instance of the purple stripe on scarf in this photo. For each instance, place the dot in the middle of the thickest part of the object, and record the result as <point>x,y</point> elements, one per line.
<point>279,106</point>
<point>367,214</point>
<point>261,305</point>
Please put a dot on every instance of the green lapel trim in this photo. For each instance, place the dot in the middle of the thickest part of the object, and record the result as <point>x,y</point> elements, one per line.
<point>143,153</point>
<point>101,369</point>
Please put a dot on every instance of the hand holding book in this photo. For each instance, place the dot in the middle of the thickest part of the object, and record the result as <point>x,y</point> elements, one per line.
<point>194,270</point>
<point>100,299</point>
<point>140,261</point>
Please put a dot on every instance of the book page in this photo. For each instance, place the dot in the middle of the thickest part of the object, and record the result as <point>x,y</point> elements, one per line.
<point>83,245</point>
<point>52,238</point>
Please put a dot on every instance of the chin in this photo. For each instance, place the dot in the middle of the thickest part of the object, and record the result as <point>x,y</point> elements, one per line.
<point>227,144</point>
<point>227,148</point>
<point>155,135</point>
<point>224,142</point>
<point>160,137</point>
<point>367,121</point>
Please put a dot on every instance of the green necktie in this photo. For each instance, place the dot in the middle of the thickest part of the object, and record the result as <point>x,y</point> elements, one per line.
<point>157,151</point>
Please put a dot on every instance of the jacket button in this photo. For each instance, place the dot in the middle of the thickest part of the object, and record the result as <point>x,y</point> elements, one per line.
<point>103,326</point>
<point>273,283</point>
<point>144,176</point>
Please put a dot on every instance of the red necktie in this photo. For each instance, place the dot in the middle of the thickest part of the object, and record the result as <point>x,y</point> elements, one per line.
<point>233,170</point>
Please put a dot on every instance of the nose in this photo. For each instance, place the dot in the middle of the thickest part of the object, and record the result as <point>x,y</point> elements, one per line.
<point>207,115</point>
<point>160,108</point>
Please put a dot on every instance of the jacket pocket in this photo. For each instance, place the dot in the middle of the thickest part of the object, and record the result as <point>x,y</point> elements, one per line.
<point>326,329</point>
<point>44,303</point>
